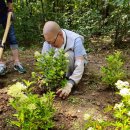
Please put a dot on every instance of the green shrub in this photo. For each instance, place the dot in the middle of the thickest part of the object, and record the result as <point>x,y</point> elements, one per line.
<point>113,70</point>
<point>32,112</point>
<point>120,112</point>
<point>51,70</point>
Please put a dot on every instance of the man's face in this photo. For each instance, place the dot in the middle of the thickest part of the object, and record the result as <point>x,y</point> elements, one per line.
<point>53,39</point>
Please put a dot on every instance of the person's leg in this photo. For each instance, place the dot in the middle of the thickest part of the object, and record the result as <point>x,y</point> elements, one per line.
<point>14,47</point>
<point>2,19</point>
<point>11,38</point>
<point>15,52</point>
<point>13,44</point>
<point>3,68</point>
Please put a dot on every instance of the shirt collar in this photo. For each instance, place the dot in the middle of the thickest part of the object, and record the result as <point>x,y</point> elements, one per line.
<point>64,37</point>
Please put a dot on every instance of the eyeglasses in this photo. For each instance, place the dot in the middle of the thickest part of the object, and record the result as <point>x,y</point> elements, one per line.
<point>53,43</point>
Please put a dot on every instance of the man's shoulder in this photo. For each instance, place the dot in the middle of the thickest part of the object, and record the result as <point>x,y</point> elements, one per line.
<point>72,34</point>
<point>69,31</point>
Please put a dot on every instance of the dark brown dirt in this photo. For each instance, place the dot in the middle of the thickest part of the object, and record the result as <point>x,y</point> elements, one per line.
<point>90,96</point>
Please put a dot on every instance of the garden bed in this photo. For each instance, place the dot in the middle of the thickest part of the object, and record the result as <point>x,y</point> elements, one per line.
<point>90,96</point>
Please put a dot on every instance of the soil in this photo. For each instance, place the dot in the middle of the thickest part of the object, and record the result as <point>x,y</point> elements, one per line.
<point>89,96</point>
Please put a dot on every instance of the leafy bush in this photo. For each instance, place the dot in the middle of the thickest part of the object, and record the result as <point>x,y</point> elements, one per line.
<point>113,70</point>
<point>28,21</point>
<point>51,69</point>
<point>121,112</point>
<point>85,17</point>
<point>32,112</point>
<point>122,109</point>
<point>96,125</point>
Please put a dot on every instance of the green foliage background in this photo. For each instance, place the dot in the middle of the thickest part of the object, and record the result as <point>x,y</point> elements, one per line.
<point>87,17</point>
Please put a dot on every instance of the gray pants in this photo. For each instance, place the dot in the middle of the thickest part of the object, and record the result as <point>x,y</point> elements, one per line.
<point>71,59</point>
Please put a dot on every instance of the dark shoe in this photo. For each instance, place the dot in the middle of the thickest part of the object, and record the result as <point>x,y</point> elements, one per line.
<point>19,68</point>
<point>3,69</point>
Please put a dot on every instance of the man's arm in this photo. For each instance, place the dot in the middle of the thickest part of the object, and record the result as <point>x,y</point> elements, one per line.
<point>78,71</point>
<point>79,52</point>
<point>73,79</point>
<point>46,47</point>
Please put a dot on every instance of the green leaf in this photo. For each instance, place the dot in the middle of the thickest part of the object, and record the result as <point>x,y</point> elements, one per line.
<point>16,123</point>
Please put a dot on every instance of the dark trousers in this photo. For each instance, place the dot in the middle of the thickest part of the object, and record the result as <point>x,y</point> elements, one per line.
<point>11,35</point>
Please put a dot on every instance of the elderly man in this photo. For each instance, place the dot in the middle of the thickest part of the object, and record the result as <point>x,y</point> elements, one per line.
<point>4,9</point>
<point>72,43</point>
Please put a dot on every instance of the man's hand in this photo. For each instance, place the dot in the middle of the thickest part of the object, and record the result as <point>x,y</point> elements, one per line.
<point>64,92</point>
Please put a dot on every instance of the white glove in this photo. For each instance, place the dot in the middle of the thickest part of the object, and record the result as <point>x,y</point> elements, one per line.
<point>64,92</point>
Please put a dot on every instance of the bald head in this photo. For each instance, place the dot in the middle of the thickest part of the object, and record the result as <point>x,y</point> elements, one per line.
<point>53,34</point>
<point>51,27</point>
